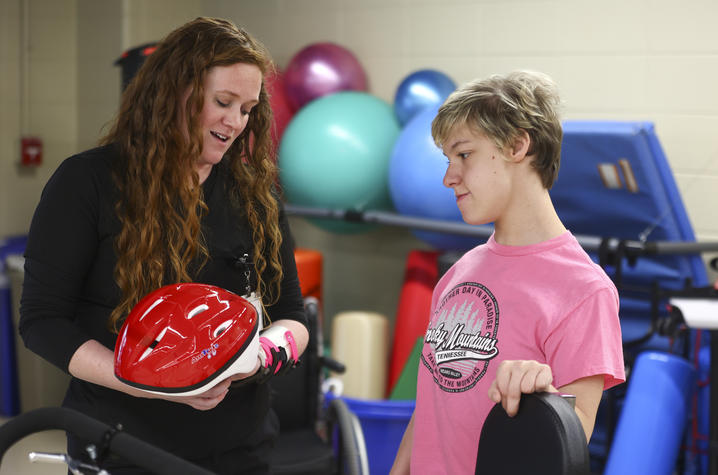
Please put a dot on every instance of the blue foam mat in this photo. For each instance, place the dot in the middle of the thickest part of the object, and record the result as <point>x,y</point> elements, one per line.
<point>652,210</point>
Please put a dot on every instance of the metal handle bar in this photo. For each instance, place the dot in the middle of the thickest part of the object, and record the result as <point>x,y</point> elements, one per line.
<point>47,457</point>
<point>74,466</point>
<point>130,448</point>
<point>589,243</point>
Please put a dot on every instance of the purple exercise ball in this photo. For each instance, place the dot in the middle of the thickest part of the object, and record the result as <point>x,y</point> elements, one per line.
<point>321,69</point>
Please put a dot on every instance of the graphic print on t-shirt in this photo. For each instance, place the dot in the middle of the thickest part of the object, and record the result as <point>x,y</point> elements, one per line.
<point>461,339</point>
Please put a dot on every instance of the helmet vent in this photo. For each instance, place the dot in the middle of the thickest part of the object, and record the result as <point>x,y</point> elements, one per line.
<point>154,304</point>
<point>221,328</point>
<point>152,345</point>
<point>147,353</point>
<point>197,310</point>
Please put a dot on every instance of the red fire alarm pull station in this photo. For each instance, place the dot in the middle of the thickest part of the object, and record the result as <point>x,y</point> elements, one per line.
<point>31,151</point>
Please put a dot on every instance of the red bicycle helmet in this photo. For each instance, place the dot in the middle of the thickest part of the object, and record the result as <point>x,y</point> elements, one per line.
<point>182,339</point>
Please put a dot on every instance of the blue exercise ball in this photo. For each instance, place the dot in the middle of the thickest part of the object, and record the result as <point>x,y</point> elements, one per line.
<point>335,154</point>
<point>416,174</point>
<point>421,89</point>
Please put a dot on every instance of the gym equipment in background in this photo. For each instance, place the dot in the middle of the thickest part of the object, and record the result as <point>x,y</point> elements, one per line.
<point>419,90</point>
<point>412,314</point>
<point>616,181</point>
<point>405,387</point>
<point>383,424</point>
<point>650,430</point>
<point>309,271</point>
<point>282,112</point>
<point>360,341</point>
<point>416,172</point>
<point>321,69</point>
<point>318,435</point>
<point>617,194</point>
<point>335,152</point>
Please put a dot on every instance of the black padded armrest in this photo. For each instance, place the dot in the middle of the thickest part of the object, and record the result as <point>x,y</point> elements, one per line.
<point>545,437</point>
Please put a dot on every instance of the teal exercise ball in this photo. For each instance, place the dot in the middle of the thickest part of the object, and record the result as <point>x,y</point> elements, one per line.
<point>335,154</point>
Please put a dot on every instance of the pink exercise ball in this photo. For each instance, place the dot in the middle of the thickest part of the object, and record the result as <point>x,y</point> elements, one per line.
<point>321,69</point>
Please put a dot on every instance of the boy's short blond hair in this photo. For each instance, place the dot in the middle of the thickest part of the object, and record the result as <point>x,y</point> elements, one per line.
<point>503,105</point>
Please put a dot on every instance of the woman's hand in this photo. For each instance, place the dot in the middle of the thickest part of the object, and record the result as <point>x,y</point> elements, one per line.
<point>94,362</point>
<point>212,397</point>
<point>205,401</point>
<point>514,378</point>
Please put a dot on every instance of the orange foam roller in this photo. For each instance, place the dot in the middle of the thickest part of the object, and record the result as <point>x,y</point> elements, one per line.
<point>412,315</point>
<point>309,272</point>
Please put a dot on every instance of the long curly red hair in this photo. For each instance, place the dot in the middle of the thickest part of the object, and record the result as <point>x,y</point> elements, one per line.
<point>160,203</point>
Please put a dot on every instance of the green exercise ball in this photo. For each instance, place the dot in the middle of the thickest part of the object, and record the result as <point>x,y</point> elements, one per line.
<point>335,154</point>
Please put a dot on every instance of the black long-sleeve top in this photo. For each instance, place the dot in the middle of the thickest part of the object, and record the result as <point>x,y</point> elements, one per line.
<point>69,292</point>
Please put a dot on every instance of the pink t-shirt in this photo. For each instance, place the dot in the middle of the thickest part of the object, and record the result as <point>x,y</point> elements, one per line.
<point>546,302</point>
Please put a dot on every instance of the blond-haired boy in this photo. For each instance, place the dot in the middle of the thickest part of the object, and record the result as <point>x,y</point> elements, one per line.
<point>527,311</point>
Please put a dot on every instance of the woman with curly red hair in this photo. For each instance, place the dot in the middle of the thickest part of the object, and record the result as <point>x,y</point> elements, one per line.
<point>180,190</point>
